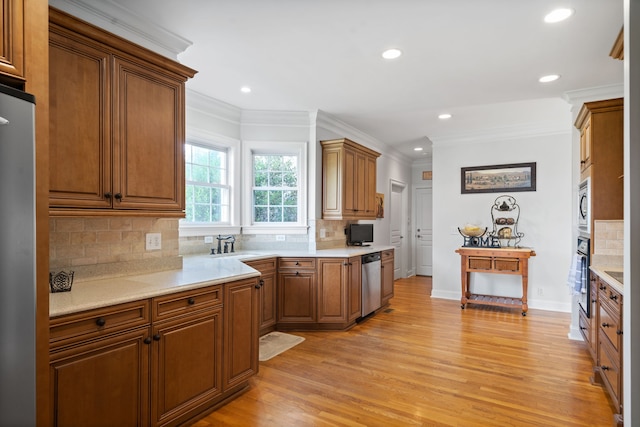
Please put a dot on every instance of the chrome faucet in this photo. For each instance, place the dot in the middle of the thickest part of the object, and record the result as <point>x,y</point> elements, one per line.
<point>227,240</point>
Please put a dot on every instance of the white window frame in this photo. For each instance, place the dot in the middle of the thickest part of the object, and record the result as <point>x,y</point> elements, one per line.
<point>299,149</point>
<point>232,146</point>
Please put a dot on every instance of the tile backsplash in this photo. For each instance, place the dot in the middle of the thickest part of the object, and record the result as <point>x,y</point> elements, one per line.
<point>608,237</point>
<point>101,247</point>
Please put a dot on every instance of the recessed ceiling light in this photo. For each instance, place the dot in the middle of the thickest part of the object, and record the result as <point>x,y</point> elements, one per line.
<point>245,89</point>
<point>417,149</point>
<point>444,116</point>
<point>391,53</point>
<point>549,78</point>
<point>558,15</point>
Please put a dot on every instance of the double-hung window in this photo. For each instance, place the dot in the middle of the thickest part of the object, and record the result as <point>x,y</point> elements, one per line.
<point>275,189</point>
<point>208,193</point>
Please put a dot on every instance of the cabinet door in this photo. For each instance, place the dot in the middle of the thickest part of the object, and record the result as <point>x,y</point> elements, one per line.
<point>585,146</point>
<point>387,278</point>
<point>355,288</point>
<point>332,290</point>
<point>148,139</point>
<point>12,38</point>
<point>350,177</point>
<point>267,297</point>
<point>186,364</point>
<point>102,383</point>
<point>241,332</point>
<point>79,131</point>
<point>296,296</point>
<point>370,187</point>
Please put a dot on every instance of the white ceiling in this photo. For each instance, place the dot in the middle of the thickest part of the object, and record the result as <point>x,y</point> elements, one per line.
<point>479,60</point>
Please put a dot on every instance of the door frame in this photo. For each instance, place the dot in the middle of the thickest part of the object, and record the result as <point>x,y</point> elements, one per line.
<point>404,241</point>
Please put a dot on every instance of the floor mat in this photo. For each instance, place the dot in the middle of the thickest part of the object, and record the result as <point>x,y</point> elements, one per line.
<point>275,343</point>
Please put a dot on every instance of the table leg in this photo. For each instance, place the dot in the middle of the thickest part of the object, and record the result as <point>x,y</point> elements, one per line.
<point>525,285</point>
<point>464,280</point>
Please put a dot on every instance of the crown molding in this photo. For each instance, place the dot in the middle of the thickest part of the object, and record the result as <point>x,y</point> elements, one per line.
<point>121,21</point>
<point>275,118</point>
<point>578,97</point>
<point>531,130</point>
<point>212,107</point>
<point>330,123</point>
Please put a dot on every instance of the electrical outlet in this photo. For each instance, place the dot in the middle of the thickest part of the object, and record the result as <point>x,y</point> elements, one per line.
<point>540,292</point>
<point>208,239</point>
<point>280,237</point>
<point>323,233</point>
<point>153,241</point>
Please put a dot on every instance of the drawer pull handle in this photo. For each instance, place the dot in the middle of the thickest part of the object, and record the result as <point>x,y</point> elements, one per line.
<point>147,340</point>
<point>297,263</point>
<point>604,367</point>
<point>260,284</point>
<point>619,332</point>
<point>156,337</point>
<point>605,325</point>
<point>602,287</point>
<point>100,321</point>
<point>118,196</point>
<point>191,301</point>
<point>614,297</point>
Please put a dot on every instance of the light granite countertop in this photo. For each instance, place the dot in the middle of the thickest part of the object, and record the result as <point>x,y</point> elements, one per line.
<point>197,271</point>
<point>602,271</point>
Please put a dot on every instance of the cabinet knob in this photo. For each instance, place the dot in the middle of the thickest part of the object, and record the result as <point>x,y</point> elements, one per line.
<point>260,284</point>
<point>604,367</point>
<point>619,332</point>
<point>100,321</point>
<point>297,273</point>
<point>602,287</point>
<point>583,328</point>
<point>107,195</point>
<point>191,301</point>
<point>614,297</point>
<point>156,337</point>
<point>297,263</point>
<point>147,340</point>
<point>605,325</point>
<point>118,196</point>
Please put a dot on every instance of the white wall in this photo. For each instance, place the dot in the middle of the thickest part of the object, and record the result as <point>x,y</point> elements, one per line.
<point>545,216</point>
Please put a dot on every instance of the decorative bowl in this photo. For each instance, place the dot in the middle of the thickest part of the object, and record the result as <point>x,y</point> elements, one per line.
<point>471,230</point>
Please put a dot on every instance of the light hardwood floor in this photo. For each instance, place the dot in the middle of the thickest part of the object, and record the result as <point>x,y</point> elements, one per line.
<point>426,362</point>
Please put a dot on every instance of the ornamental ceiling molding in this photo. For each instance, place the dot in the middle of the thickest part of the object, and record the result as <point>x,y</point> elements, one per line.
<point>121,21</point>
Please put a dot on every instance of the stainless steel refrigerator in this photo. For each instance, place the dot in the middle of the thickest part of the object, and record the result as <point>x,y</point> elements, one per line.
<point>17,259</point>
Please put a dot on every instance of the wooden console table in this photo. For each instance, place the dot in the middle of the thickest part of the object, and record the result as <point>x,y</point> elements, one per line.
<point>495,261</point>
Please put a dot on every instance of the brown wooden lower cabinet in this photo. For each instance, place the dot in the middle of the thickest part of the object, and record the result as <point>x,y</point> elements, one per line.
<point>267,293</point>
<point>183,354</point>
<point>103,382</point>
<point>387,265</point>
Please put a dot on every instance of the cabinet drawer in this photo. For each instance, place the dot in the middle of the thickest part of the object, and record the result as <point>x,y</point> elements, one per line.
<point>186,302</point>
<point>585,327</point>
<point>506,264</point>
<point>610,296</point>
<point>609,367</point>
<point>86,325</point>
<point>263,265</point>
<point>610,325</point>
<point>387,255</point>
<point>298,263</point>
<point>479,263</point>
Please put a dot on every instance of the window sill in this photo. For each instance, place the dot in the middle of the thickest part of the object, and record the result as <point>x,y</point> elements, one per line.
<point>207,230</point>
<point>275,229</point>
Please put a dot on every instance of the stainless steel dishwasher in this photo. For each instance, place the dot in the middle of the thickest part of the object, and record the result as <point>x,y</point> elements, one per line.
<point>371,283</point>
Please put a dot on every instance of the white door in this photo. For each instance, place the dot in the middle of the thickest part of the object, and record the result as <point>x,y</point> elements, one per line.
<point>396,219</point>
<point>424,232</point>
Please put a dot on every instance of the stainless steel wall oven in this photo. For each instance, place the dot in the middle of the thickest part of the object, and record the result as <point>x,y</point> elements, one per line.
<point>584,261</point>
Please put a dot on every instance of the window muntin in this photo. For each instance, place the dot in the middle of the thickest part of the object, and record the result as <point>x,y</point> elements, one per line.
<point>275,189</point>
<point>207,196</point>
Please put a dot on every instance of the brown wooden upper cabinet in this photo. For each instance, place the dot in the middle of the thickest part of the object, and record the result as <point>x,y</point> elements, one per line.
<point>116,124</point>
<point>12,42</point>
<point>601,156</point>
<point>348,180</point>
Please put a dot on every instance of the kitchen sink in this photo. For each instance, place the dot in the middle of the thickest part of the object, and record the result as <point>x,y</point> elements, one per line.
<point>618,275</point>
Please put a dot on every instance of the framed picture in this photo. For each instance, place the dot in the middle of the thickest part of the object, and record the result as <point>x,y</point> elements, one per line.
<point>379,205</point>
<point>498,178</point>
